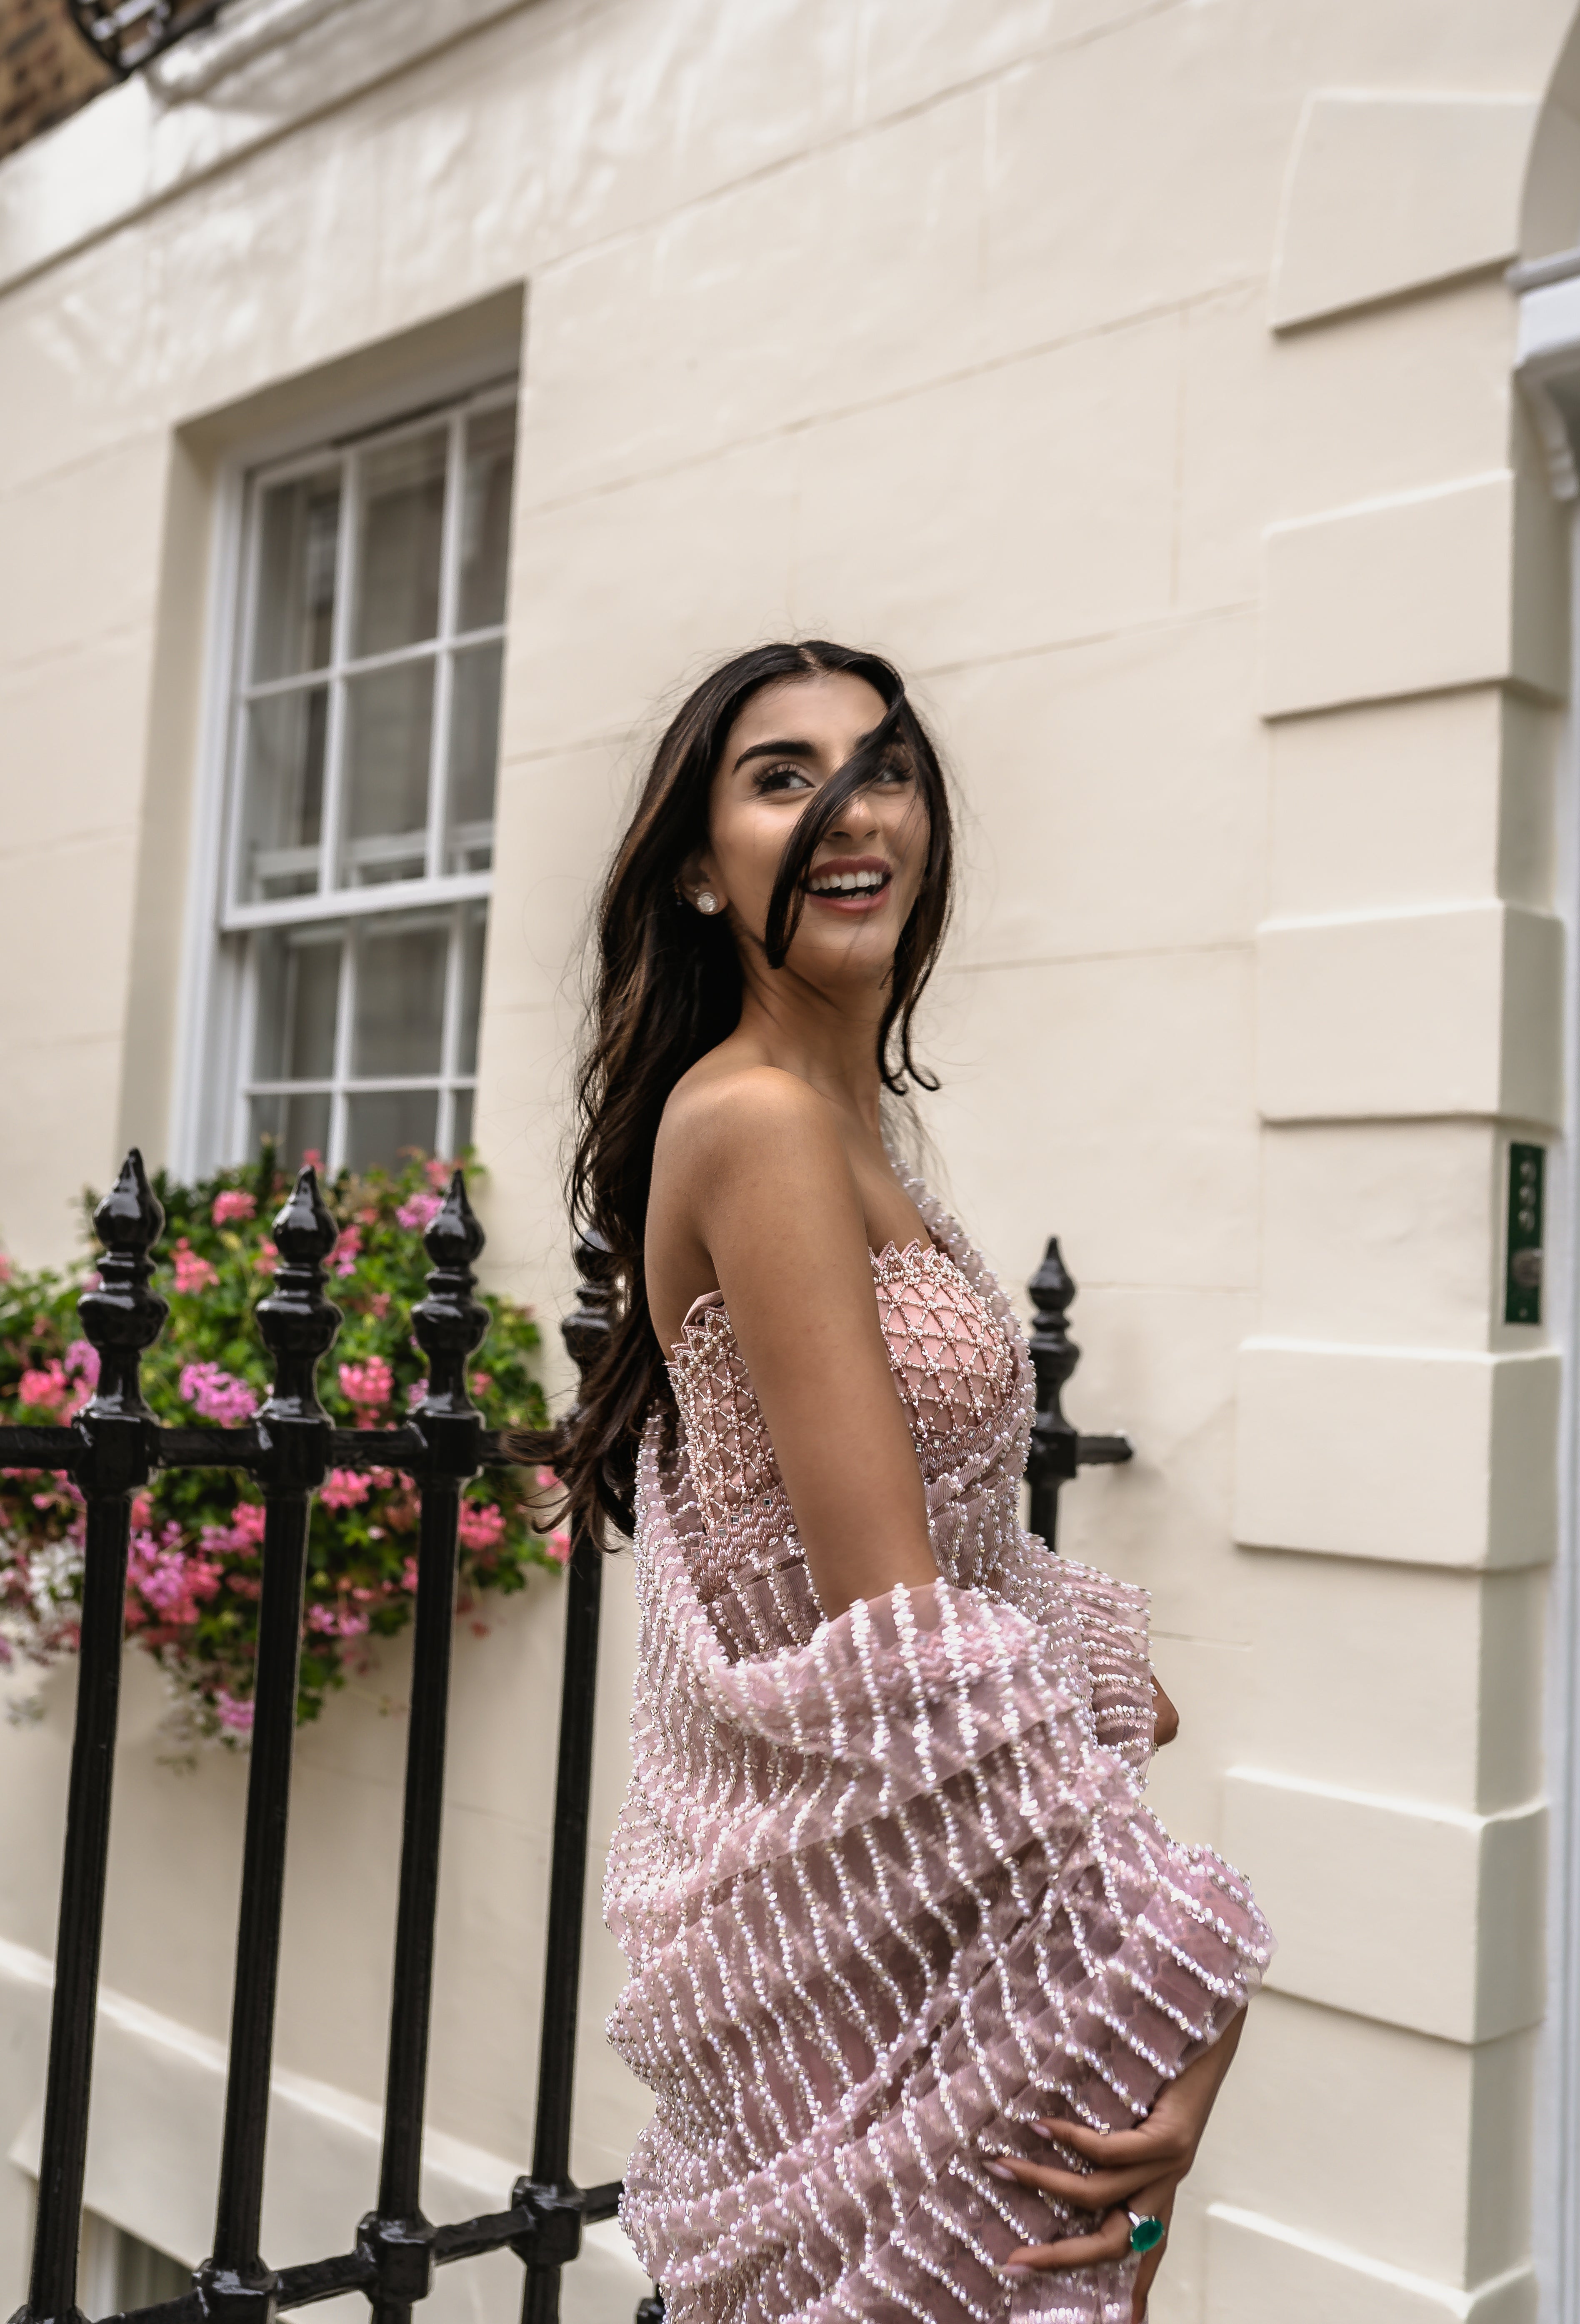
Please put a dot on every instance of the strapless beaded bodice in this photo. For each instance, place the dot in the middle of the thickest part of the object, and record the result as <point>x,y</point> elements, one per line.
<point>955,1365</point>
<point>960,1367</point>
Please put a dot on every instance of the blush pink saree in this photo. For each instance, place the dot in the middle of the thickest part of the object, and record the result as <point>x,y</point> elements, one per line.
<point>885,1884</point>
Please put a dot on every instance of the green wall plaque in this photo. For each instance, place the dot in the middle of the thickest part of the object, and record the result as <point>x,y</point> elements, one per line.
<point>1522,1270</point>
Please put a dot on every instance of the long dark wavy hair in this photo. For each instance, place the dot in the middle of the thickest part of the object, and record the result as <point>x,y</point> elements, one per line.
<point>669,989</point>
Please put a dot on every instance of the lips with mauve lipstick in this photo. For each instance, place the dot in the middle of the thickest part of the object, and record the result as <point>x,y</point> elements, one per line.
<point>850,884</point>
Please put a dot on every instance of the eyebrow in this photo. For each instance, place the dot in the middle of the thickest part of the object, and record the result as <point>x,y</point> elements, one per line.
<point>777,750</point>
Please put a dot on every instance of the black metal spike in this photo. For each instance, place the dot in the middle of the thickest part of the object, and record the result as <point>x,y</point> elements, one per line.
<point>1058,1448</point>
<point>448,1322</point>
<point>560,2206</point>
<point>586,1327</point>
<point>299,1324</point>
<point>121,1315</point>
<point>1055,1445</point>
<point>117,1444</point>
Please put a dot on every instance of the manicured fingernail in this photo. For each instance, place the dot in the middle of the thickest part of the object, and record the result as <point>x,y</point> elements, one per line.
<point>1001,2171</point>
<point>1010,2267</point>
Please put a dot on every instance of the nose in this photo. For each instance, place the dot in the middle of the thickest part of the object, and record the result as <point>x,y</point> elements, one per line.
<point>856,819</point>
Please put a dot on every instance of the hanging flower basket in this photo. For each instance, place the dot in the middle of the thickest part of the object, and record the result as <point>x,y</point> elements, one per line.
<point>194,1574</point>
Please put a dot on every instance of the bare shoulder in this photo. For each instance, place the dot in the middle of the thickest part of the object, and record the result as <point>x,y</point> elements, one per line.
<point>727,1113</point>
<point>749,1144</point>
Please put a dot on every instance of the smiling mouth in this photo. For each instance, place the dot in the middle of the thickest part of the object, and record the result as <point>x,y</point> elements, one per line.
<point>856,887</point>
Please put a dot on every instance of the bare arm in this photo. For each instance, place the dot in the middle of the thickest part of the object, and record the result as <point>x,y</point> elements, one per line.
<point>756,1170</point>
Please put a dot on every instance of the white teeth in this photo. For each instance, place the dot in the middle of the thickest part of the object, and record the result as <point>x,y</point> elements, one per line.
<point>830,883</point>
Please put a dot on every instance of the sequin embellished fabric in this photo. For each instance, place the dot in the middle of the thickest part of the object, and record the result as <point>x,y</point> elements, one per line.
<point>886,1884</point>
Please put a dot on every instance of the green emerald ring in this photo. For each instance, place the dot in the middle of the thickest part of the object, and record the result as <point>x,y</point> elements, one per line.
<point>1145,2234</point>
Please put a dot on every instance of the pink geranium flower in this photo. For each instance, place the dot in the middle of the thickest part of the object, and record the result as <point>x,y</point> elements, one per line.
<point>218,1394</point>
<point>558,1546</point>
<point>193,1272</point>
<point>267,1262</point>
<point>348,1248</point>
<point>169,1581</point>
<point>240,1538</point>
<point>343,1489</point>
<point>337,1622</point>
<point>419,1210</point>
<point>482,1525</point>
<point>234,1203</point>
<point>367,1385</point>
<point>234,1714</point>
<point>45,1389</point>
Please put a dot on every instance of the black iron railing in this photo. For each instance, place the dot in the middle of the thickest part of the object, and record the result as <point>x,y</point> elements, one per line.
<point>112,1449</point>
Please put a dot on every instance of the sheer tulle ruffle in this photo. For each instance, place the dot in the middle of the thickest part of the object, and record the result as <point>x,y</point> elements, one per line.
<point>886,1884</point>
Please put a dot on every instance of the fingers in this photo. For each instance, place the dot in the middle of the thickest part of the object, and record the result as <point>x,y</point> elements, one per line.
<point>1090,2190</point>
<point>1158,2142</point>
<point>1110,2241</point>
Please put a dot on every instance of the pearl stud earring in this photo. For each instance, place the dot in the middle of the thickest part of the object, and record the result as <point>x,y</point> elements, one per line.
<point>707,901</point>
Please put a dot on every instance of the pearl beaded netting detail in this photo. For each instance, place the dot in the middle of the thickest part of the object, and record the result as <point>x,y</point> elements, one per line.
<point>886,1884</point>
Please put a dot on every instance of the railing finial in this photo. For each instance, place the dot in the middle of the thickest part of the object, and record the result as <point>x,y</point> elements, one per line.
<point>121,1315</point>
<point>1057,1447</point>
<point>299,1324</point>
<point>448,1322</point>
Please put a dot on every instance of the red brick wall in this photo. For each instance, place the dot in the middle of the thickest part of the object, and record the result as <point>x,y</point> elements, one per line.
<point>46,68</point>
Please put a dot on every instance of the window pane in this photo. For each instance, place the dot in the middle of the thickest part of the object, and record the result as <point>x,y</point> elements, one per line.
<point>298,992</point>
<point>399,1002</point>
<point>298,526</point>
<point>472,938</point>
<point>284,794</point>
<point>399,538</point>
<point>463,1133</point>
<point>486,517</point>
<point>389,731</point>
<point>474,757</point>
<point>379,1127</point>
<point>300,1126</point>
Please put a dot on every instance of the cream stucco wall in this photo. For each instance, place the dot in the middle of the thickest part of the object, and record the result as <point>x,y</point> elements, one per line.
<point>1141,378</point>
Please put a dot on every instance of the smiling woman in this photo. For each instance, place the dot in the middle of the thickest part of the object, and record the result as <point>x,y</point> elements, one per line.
<point>934,2009</point>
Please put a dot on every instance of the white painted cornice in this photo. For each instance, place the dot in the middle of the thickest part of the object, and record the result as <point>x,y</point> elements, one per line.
<point>264,68</point>
<point>244,30</point>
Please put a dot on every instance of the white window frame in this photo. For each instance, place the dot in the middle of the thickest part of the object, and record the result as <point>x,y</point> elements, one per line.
<point>217,1008</point>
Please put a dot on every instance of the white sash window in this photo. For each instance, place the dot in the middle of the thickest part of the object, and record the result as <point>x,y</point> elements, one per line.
<point>361,750</point>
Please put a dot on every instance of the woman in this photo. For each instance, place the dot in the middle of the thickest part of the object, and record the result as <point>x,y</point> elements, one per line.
<point>933,2010</point>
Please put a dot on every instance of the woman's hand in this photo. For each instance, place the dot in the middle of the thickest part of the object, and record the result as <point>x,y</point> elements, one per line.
<point>1127,2171</point>
<point>1165,1718</point>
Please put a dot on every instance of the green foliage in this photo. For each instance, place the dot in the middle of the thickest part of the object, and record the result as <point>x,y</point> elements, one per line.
<point>196,1569</point>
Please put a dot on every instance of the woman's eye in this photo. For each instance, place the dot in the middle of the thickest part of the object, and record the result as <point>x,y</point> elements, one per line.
<point>779,779</point>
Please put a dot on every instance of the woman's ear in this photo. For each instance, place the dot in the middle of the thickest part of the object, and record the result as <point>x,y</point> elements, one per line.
<point>694,880</point>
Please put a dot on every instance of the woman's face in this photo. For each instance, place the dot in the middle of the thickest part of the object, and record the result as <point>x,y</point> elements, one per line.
<point>792,738</point>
